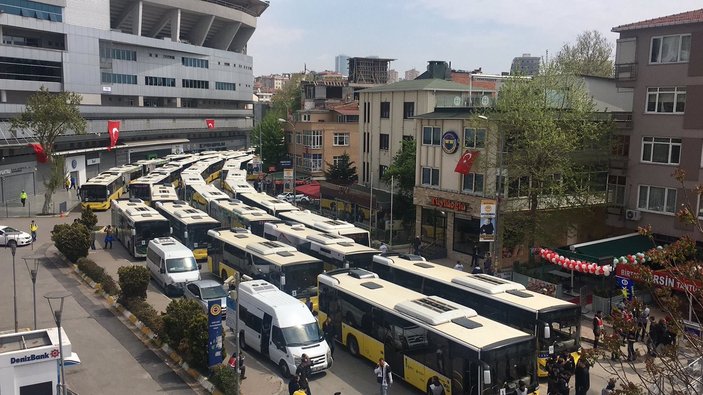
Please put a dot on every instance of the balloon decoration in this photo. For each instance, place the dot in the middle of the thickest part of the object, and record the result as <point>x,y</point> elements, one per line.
<point>638,258</point>
<point>573,264</point>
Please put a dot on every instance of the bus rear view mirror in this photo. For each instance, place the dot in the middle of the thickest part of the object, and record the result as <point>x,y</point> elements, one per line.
<point>547,331</point>
<point>486,376</point>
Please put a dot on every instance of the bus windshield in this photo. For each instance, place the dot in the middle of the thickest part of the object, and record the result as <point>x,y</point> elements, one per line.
<point>93,193</point>
<point>197,234</point>
<point>180,265</point>
<point>564,324</point>
<point>148,230</point>
<point>510,364</point>
<point>302,335</point>
<point>301,279</point>
<point>362,260</point>
<point>359,238</point>
<point>140,191</point>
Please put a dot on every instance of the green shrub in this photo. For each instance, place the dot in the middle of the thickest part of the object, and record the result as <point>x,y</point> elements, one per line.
<point>71,240</point>
<point>194,345</point>
<point>134,280</point>
<point>88,218</point>
<point>178,314</point>
<point>145,313</point>
<point>110,286</point>
<point>92,270</point>
<point>225,379</point>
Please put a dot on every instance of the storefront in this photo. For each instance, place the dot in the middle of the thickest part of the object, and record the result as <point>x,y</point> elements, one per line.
<point>29,362</point>
<point>15,178</point>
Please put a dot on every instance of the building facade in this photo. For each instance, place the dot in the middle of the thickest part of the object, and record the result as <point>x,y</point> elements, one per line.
<point>411,74</point>
<point>525,65</point>
<point>161,68</point>
<point>341,64</point>
<point>661,61</point>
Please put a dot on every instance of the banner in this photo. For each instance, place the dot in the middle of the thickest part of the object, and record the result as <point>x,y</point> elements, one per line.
<point>487,231</point>
<point>113,129</point>
<point>214,332</point>
<point>626,285</point>
<point>210,123</point>
<point>39,152</point>
<point>465,162</point>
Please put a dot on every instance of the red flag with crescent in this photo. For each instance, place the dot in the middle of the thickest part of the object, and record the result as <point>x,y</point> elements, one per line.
<point>113,129</point>
<point>39,152</point>
<point>466,161</point>
<point>210,123</point>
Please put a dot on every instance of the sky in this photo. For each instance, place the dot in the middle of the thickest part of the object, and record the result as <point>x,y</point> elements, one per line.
<point>293,34</point>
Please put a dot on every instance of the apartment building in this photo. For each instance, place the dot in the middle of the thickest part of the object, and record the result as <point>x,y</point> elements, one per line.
<point>661,61</point>
<point>176,74</point>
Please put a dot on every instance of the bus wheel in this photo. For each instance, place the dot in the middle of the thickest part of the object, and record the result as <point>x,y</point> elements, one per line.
<point>353,345</point>
<point>285,372</point>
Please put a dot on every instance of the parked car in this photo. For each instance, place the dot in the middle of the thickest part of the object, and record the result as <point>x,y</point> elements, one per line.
<point>289,197</point>
<point>203,291</point>
<point>10,236</point>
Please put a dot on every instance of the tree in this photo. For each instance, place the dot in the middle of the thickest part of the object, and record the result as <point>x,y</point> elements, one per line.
<point>134,281</point>
<point>342,172</point>
<point>402,169</point>
<point>289,98</point>
<point>272,147</point>
<point>47,116</point>
<point>71,240</point>
<point>178,314</point>
<point>590,55</point>
<point>88,218</point>
<point>555,152</point>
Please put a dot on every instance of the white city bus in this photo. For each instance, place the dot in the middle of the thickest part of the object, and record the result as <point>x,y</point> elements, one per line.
<point>162,193</point>
<point>422,337</point>
<point>135,224</point>
<point>239,251</point>
<point>204,195</point>
<point>327,225</point>
<point>336,251</point>
<point>555,323</point>
<point>236,184</point>
<point>233,213</point>
<point>189,226</point>
<point>143,187</point>
<point>263,201</point>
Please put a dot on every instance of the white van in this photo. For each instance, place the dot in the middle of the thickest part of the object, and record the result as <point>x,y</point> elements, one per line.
<point>280,327</point>
<point>171,264</point>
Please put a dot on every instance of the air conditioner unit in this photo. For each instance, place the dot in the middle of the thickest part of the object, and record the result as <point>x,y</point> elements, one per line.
<point>632,215</point>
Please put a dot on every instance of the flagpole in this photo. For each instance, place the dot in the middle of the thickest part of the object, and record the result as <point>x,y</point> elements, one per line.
<point>391,232</point>
<point>371,203</point>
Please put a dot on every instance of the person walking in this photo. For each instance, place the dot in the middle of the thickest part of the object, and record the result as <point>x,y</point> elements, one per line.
<point>474,256</point>
<point>631,339</point>
<point>488,264</point>
<point>33,230</point>
<point>108,236</point>
<point>597,328</point>
<point>383,248</point>
<point>67,183</point>
<point>459,266</point>
<point>384,376</point>
<point>304,371</point>
<point>476,269</point>
<point>328,330</point>
<point>521,388</point>
<point>23,197</point>
<point>583,377</point>
<point>642,321</point>
<point>416,245</point>
<point>293,384</point>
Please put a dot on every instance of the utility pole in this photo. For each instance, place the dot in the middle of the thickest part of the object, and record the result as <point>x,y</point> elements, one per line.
<point>390,241</point>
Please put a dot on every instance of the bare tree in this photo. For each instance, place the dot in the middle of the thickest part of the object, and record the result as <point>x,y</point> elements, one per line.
<point>591,54</point>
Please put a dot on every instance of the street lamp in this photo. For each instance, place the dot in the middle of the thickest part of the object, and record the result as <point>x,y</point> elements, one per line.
<point>59,297</point>
<point>500,185</point>
<point>295,145</point>
<point>33,271</point>
<point>13,250</point>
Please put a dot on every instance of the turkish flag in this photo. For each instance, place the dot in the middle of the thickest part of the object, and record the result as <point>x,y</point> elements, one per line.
<point>39,152</point>
<point>113,129</point>
<point>210,123</point>
<point>466,161</point>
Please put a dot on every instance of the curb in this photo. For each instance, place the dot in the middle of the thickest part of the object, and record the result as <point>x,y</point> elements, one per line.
<point>146,331</point>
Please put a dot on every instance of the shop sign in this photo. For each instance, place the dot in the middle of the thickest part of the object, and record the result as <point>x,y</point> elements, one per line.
<point>661,278</point>
<point>487,231</point>
<point>450,204</point>
<point>93,161</point>
<point>450,142</point>
<point>20,169</point>
<point>53,354</point>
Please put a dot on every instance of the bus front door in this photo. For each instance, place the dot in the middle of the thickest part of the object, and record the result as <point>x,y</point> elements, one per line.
<point>266,334</point>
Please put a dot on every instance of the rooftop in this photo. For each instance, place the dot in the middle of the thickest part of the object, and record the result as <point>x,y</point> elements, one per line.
<point>420,85</point>
<point>695,16</point>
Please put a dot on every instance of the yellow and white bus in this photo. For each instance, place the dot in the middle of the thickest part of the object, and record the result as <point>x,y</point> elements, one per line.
<point>239,251</point>
<point>327,225</point>
<point>129,172</point>
<point>422,337</point>
<point>336,251</point>
<point>99,191</point>
<point>263,201</point>
<point>136,224</point>
<point>149,165</point>
<point>162,193</point>
<point>555,323</point>
<point>233,213</point>
<point>236,164</point>
<point>189,226</point>
<point>236,184</point>
<point>204,195</point>
<point>143,187</point>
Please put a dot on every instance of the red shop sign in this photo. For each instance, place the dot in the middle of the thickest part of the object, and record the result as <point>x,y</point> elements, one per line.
<point>660,278</point>
<point>450,204</point>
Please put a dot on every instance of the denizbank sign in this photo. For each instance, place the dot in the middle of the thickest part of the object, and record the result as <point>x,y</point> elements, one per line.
<point>53,354</point>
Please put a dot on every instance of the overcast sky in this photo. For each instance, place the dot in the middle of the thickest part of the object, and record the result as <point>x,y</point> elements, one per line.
<point>468,33</point>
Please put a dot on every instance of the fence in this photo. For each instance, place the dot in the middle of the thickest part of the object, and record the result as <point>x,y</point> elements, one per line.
<point>63,201</point>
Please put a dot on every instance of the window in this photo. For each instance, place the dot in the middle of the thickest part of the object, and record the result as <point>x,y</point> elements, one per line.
<point>430,176</point>
<point>312,162</point>
<point>384,141</point>
<point>30,70</point>
<point>466,233</point>
<point>519,187</point>
<point>160,81</point>
<point>661,150</point>
<point>666,100</point>
<point>670,49</point>
<point>196,84</point>
<point>305,117</point>
<point>337,160</point>
<point>112,78</point>
<point>408,109</point>
<point>431,135</point>
<point>225,86</point>
<point>366,142</point>
<point>382,170</point>
<point>620,145</point>
<point>657,199</point>
<point>168,56</point>
<point>616,191</point>
<point>474,138</point>
<point>473,183</point>
<point>194,62</point>
<point>32,9</point>
<point>385,109</point>
<point>118,53</point>
<point>341,139</point>
<point>312,138</point>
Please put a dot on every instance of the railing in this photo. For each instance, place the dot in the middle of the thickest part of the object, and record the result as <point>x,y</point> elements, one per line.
<point>626,71</point>
<point>62,202</point>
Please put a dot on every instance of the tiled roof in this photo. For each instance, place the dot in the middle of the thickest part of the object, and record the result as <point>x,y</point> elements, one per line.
<point>695,16</point>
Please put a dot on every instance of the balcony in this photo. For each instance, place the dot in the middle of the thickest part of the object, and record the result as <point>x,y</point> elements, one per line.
<point>626,74</point>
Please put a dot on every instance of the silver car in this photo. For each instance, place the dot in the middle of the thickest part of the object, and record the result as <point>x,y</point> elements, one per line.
<point>203,291</point>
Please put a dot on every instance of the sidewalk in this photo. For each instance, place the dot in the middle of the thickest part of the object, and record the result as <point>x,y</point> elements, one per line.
<point>62,200</point>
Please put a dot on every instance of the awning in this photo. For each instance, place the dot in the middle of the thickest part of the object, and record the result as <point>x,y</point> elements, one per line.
<point>603,251</point>
<point>311,190</point>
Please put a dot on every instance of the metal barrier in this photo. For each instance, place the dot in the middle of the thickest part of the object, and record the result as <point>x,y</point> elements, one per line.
<point>62,202</point>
